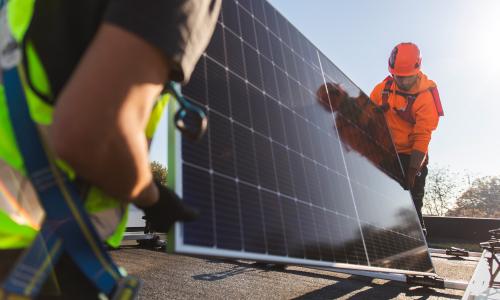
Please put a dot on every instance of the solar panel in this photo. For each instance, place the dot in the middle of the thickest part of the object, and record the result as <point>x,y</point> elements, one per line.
<point>282,175</point>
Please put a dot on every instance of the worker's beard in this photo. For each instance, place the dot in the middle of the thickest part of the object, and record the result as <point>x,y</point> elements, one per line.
<point>405,87</point>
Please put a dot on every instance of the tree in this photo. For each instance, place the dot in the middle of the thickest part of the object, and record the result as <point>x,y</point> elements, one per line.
<point>482,199</point>
<point>160,172</point>
<point>441,189</point>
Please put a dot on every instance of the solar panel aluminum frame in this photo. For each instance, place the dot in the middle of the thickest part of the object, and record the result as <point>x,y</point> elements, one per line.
<point>175,240</point>
<point>176,236</point>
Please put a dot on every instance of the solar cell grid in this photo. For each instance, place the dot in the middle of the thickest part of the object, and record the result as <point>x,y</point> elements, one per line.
<point>279,177</point>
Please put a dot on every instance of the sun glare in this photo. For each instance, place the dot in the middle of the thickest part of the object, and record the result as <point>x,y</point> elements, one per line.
<point>484,38</point>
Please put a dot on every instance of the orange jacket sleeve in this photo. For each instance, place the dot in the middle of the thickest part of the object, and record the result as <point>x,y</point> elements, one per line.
<point>376,94</point>
<point>426,118</point>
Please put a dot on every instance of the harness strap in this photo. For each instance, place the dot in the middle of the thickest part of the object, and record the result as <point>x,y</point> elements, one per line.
<point>437,100</point>
<point>67,227</point>
<point>385,94</point>
<point>35,264</point>
<point>406,114</point>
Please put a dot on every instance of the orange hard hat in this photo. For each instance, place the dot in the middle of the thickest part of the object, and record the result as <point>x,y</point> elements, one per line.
<point>405,60</point>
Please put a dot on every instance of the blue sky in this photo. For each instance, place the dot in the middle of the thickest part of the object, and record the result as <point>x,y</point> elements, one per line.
<point>460,45</point>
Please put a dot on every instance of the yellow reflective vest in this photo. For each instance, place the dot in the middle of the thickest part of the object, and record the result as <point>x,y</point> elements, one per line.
<point>20,212</point>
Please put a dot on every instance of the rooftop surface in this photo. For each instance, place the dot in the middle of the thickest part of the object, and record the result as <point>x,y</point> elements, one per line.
<point>167,276</point>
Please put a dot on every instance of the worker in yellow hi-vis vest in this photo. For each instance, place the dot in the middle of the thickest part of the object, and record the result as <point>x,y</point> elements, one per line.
<point>93,73</point>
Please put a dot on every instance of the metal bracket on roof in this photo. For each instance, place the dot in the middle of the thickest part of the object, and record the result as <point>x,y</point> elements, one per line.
<point>495,233</point>
<point>457,252</point>
<point>427,281</point>
<point>493,248</point>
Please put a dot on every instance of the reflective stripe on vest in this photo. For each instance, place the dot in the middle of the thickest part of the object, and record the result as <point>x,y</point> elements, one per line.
<point>18,198</point>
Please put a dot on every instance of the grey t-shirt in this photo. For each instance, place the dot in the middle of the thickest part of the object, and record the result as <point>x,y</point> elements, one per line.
<point>61,30</point>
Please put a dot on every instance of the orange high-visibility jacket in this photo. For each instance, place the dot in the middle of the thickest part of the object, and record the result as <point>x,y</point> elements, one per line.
<point>408,136</point>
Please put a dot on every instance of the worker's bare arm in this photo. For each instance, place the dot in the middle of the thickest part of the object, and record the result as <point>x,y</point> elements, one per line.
<point>102,112</point>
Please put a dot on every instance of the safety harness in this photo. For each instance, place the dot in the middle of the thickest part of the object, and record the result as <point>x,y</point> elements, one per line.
<point>406,113</point>
<point>67,227</point>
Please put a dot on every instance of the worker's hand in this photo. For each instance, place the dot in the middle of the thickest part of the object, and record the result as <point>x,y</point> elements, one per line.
<point>417,158</point>
<point>410,178</point>
<point>167,210</point>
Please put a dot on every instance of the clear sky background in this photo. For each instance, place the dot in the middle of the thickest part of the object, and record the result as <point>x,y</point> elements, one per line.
<point>460,45</point>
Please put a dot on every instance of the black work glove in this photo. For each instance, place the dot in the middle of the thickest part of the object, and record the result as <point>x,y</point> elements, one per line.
<point>410,178</point>
<point>416,160</point>
<point>167,210</point>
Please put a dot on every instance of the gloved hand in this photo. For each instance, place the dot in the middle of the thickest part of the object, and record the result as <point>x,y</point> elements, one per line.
<point>416,160</point>
<point>410,178</point>
<point>167,210</point>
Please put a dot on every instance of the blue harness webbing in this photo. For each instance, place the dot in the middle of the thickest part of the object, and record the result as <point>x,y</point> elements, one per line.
<point>66,227</point>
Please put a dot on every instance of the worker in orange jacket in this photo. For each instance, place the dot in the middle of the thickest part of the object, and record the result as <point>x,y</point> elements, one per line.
<point>412,108</point>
